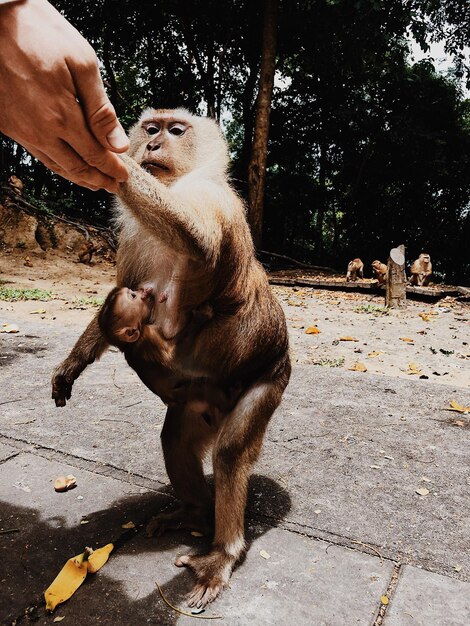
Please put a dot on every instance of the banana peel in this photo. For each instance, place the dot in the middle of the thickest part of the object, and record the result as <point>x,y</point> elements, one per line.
<point>74,572</point>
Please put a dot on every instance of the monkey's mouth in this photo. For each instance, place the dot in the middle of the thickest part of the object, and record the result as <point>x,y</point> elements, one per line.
<point>153,168</point>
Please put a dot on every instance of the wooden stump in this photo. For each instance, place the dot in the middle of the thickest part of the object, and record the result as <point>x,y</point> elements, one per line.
<point>395,293</point>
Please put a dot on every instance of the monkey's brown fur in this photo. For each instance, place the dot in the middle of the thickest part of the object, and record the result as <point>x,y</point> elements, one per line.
<point>184,233</point>
<point>380,271</point>
<point>85,252</point>
<point>355,270</point>
<point>421,270</point>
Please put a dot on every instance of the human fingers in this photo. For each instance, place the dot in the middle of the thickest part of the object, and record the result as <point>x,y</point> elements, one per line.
<point>98,110</point>
<point>58,169</point>
<point>78,136</point>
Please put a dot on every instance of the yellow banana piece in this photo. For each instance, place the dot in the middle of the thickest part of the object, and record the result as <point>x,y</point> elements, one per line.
<point>67,581</point>
<point>98,558</point>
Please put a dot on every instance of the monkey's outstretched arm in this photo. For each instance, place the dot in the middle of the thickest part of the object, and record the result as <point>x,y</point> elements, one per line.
<point>188,216</point>
<point>89,347</point>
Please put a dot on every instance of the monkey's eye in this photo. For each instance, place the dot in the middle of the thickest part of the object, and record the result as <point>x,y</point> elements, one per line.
<point>177,129</point>
<point>153,129</point>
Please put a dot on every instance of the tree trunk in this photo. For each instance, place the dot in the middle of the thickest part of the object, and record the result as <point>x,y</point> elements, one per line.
<point>395,293</point>
<point>321,203</point>
<point>257,166</point>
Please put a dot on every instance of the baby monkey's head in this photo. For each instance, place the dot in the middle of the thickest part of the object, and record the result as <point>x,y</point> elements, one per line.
<point>123,313</point>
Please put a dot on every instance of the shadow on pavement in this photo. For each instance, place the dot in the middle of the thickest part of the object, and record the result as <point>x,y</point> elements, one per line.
<point>124,591</point>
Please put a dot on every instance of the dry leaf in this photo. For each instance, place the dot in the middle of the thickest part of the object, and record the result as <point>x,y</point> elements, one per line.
<point>58,619</point>
<point>422,491</point>
<point>358,367</point>
<point>128,525</point>
<point>384,600</point>
<point>407,339</point>
<point>455,406</point>
<point>348,339</point>
<point>459,423</point>
<point>264,554</point>
<point>458,568</point>
<point>10,328</point>
<point>196,533</point>
<point>413,369</point>
<point>371,355</point>
<point>38,312</point>
<point>312,330</point>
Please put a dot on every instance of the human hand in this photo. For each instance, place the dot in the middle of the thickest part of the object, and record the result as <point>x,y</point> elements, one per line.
<point>52,99</point>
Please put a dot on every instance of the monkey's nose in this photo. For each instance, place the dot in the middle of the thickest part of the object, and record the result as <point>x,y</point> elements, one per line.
<point>153,146</point>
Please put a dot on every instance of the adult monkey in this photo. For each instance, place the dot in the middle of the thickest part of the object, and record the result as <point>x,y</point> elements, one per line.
<point>184,234</point>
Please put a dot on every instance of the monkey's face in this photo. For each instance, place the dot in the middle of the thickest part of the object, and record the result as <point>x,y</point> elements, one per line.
<point>163,143</point>
<point>131,310</point>
<point>425,257</point>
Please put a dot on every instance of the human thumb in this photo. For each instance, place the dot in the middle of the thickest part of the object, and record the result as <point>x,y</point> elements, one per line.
<point>98,110</point>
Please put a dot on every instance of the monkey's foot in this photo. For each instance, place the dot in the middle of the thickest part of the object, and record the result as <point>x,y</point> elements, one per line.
<point>188,518</point>
<point>212,571</point>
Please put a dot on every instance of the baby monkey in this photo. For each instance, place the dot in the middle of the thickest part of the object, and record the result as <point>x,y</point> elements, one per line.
<point>124,314</point>
<point>127,317</point>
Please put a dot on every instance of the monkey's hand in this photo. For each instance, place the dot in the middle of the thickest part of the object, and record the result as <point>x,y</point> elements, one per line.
<point>61,386</point>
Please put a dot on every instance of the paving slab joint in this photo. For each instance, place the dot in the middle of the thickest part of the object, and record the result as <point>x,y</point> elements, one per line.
<point>379,620</point>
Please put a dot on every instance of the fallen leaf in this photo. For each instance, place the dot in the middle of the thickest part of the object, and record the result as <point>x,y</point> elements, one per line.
<point>312,330</point>
<point>38,312</point>
<point>264,554</point>
<point>384,600</point>
<point>348,339</point>
<point>375,353</point>
<point>407,339</point>
<point>424,317</point>
<point>455,406</point>
<point>375,467</point>
<point>413,369</point>
<point>84,521</point>
<point>10,328</point>
<point>58,619</point>
<point>422,491</point>
<point>128,525</point>
<point>196,533</point>
<point>460,423</point>
<point>458,568</point>
<point>358,367</point>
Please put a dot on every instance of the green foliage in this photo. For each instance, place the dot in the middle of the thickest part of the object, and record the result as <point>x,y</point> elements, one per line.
<point>366,151</point>
<point>375,309</point>
<point>88,301</point>
<point>13,294</point>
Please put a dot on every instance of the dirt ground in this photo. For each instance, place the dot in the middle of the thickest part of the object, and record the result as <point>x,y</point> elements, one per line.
<point>430,342</point>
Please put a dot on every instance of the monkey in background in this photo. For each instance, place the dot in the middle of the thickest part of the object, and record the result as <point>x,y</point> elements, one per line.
<point>85,252</point>
<point>421,270</point>
<point>380,271</point>
<point>16,185</point>
<point>183,231</point>
<point>355,270</point>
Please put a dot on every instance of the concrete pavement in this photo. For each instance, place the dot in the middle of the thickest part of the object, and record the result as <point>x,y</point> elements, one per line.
<point>333,498</point>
